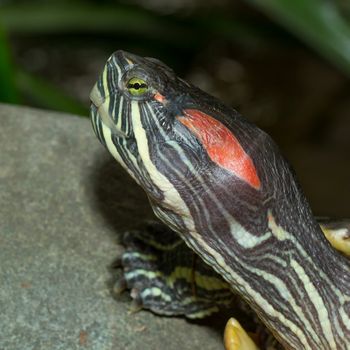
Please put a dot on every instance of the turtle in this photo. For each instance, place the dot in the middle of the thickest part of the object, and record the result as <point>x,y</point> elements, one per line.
<point>234,221</point>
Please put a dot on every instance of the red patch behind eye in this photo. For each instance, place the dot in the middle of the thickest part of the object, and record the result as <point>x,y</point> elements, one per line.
<point>221,145</point>
<point>159,97</point>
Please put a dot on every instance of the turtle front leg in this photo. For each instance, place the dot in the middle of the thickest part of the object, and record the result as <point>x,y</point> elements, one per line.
<point>167,278</point>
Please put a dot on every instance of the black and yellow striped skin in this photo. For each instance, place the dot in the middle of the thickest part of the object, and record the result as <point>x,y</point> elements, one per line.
<point>257,232</point>
<point>168,278</point>
<point>164,276</point>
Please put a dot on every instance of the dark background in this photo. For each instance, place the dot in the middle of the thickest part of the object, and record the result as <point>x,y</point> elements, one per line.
<point>285,65</point>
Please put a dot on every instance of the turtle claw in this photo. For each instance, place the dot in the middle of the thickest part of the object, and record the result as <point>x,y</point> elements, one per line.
<point>236,338</point>
<point>134,293</point>
<point>120,286</point>
<point>136,304</point>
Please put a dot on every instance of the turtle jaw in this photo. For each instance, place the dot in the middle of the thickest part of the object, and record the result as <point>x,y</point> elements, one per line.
<point>106,98</point>
<point>100,114</point>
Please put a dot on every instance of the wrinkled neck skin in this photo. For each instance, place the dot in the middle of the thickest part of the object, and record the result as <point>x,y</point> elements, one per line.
<point>264,242</point>
<point>271,251</point>
<point>222,184</point>
<point>268,246</point>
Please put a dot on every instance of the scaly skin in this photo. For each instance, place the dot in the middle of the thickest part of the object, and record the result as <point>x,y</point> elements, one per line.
<point>221,183</point>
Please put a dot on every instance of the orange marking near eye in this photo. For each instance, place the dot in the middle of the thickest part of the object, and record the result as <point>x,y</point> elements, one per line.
<point>221,145</point>
<point>160,98</point>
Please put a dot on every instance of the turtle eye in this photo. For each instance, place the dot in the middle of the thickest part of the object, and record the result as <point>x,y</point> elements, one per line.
<point>137,86</point>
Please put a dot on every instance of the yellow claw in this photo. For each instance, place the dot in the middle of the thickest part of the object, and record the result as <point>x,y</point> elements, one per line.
<point>338,238</point>
<point>236,338</point>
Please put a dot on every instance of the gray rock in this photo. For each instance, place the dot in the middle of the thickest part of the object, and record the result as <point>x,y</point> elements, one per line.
<point>64,203</point>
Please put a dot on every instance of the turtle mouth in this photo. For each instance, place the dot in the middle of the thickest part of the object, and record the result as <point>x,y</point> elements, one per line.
<point>101,105</point>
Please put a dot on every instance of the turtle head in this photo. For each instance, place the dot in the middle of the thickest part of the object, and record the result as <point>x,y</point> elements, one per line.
<point>130,85</point>
<point>150,120</point>
<point>178,142</point>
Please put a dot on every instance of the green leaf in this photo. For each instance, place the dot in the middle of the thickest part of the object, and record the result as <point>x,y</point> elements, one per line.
<point>316,22</point>
<point>45,95</point>
<point>170,30</point>
<point>8,91</point>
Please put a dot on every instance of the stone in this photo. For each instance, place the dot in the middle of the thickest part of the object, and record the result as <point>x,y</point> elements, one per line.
<point>64,203</point>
